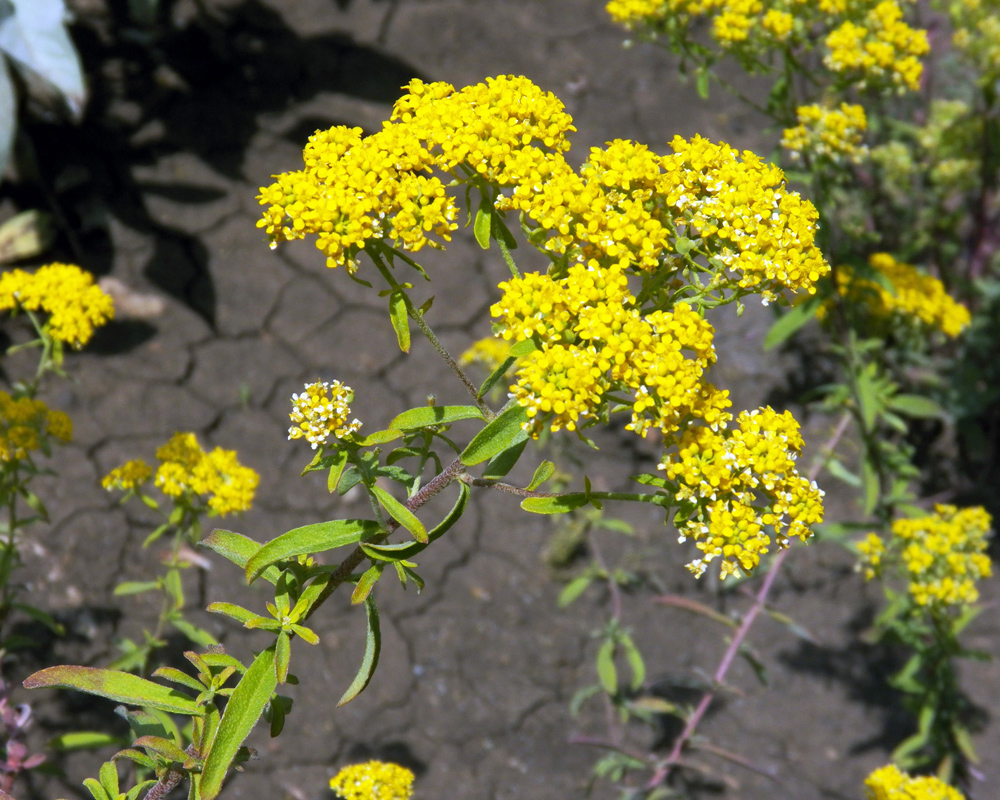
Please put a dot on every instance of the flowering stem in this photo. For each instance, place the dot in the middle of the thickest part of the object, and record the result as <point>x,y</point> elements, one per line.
<point>450,473</point>
<point>741,634</point>
<point>425,329</point>
<point>506,488</point>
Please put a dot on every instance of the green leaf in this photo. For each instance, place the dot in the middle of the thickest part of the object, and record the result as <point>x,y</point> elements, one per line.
<point>555,505</point>
<point>504,462</point>
<point>401,514</point>
<point>84,740</point>
<point>162,747</point>
<point>244,708</point>
<point>240,614</point>
<point>501,434</point>
<point>606,671</point>
<point>336,470</point>
<point>96,790</point>
<point>379,437</point>
<point>484,222</point>
<point>635,662</point>
<point>199,636</point>
<point>701,83</point>
<point>239,549</point>
<point>43,617</point>
<point>135,587</point>
<point>545,471</point>
<point>108,776</point>
<point>574,589</point>
<point>176,676</point>
<point>372,647</point>
<point>118,686</point>
<point>837,469</point>
<point>914,405</point>
<point>424,416</point>
<point>868,399</point>
<point>400,321</point>
<point>791,321</point>
<point>282,656</point>
<point>315,538</point>
<point>365,585</point>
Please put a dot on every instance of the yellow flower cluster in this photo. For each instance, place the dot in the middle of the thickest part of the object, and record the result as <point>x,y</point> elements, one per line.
<point>884,50</point>
<point>75,305</point>
<point>353,190</point>
<point>186,470</point>
<point>27,425</point>
<point>321,411</point>
<point>373,780</point>
<point>827,133</point>
<point>913,295</point>
<point>725,474</point>
<point>488,353</point>
<point>128,477</point>
<point>943,554</point>
<point>597,346</point>
<point>889,783</point>
<point>628,205</point>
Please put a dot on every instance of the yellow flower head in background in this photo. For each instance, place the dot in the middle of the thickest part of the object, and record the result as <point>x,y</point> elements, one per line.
<point>322,411</point>
<point>914,295</point>
<point>27,425</point>
<point>942,555</point>
<point>488,353</point>
<point>373,780</point>
<point>828,133</point>
<point>128,477</point>
<point>889,783</point>
<point>883,50</point>
<point>186,470</point>
<point>75,305</point>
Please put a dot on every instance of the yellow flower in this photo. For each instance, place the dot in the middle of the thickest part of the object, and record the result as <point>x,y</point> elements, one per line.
<point>913,295</point>
<point>321,411</point>
<point>889,783</point>
<point>884,50</point>
<point>489,353</point>
<point>943,555</point>
<point>726,474</point>
<point>130,475</point>
<point>75,305</point>
<point>373,780</point>
<point>186,469</point>
<point>27,425</point>
<point>778,23</point>
<point>826,133</point>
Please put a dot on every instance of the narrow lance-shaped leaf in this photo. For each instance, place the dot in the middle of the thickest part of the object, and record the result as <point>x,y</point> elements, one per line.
<point>308,539</point>
<point>243,710</point>
<point>401,514</point>
<point>239,549</point>
<point>501,434</point>
<point>423,416</point>
<point>400,321</point>
<point>791,321</point>
<point>122,687</point>
<point>372,647</point>
<point>484,222</point>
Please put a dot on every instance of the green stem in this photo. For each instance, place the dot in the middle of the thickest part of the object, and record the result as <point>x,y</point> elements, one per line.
<point>425,329</point>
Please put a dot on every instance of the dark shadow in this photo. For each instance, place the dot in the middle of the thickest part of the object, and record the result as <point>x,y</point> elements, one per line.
<point>193,82</point>
<point>864,670</point>
<point>120,336</point>
<point>393,752</point>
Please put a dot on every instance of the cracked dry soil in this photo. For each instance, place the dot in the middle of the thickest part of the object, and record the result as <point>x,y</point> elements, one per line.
<point>159,189</point>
